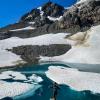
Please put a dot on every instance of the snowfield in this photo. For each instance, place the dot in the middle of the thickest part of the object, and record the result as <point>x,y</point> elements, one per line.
<point>74,78</point>
<point>85,48</point>
<point>9,59</point>
<point>15,88</point>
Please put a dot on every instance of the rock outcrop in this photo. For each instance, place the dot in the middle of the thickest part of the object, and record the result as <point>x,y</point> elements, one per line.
<point>31,53</point>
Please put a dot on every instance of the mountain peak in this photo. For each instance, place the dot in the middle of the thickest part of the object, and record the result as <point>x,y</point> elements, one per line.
<point>52,9</point>
<point>48,9</point>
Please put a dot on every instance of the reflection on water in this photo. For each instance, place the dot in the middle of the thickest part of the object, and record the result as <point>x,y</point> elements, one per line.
<point>45,93</point>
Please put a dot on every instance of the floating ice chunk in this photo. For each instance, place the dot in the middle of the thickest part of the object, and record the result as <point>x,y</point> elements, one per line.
<point>12,75</point>
<point>36,78</point>
<point>77,80</point>
<point>12,89</point>
<point>54,18</point>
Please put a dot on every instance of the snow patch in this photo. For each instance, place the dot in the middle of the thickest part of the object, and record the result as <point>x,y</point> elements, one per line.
<point>32,23</point>
<point>12,75</point>
<point>26,28</point>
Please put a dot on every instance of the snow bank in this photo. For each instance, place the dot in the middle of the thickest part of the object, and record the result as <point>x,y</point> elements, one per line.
<point>35,78</point>
<point>9,59</point>
<point>77,80</point>
<point>46,39</point>
<point>85,48</point>
<point>26,28</point>
<point>41,12</point>
<point>12,89</point>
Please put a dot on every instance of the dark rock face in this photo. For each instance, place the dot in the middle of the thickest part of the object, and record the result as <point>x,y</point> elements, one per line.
<point>31,53</point>
<point>31,16</point>
<point>52,9</point>
<point>79,17</point>
<point>49,9</point>
<point>43,22</point>
<point>4,35</point>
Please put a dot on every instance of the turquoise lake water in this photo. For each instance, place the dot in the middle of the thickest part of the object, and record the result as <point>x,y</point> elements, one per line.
<point>45,93</point>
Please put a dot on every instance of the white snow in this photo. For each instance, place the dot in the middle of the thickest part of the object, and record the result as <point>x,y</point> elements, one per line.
<point>46,39</point>
<point>54,18</point>
<point>77,80</point>
<point>12,89</point>
<point>85,48</point>
<point>9,59</point>
<point>26,28</point>
<point>41,12</point>
<point>32,23</point>
<point>35,78</point>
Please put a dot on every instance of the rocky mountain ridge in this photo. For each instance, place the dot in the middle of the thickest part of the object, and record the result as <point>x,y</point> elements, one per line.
<point>53,18</point>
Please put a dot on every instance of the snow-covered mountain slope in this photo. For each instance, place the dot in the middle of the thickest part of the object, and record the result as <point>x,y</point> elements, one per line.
<point>8,58</point>
<point>74,78</point>
<point>85,48</point>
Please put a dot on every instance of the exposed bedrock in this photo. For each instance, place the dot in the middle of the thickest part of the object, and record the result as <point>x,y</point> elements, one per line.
<point>79,17</point>
<point>31,53</point>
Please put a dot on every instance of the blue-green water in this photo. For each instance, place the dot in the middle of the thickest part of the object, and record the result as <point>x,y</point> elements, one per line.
<point>45,93</point>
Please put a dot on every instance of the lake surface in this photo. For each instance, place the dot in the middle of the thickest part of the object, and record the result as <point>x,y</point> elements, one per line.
<point>45,92</point>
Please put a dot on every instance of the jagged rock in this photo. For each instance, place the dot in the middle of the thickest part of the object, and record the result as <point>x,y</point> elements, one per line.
<point>49,9</point>
<point>42,22</point>
<point>31,16</point>
<point>79,17</point>
<point>4,35</point>
<point>31,53</point>
<point>52,9</point>
<point>85,16</point>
